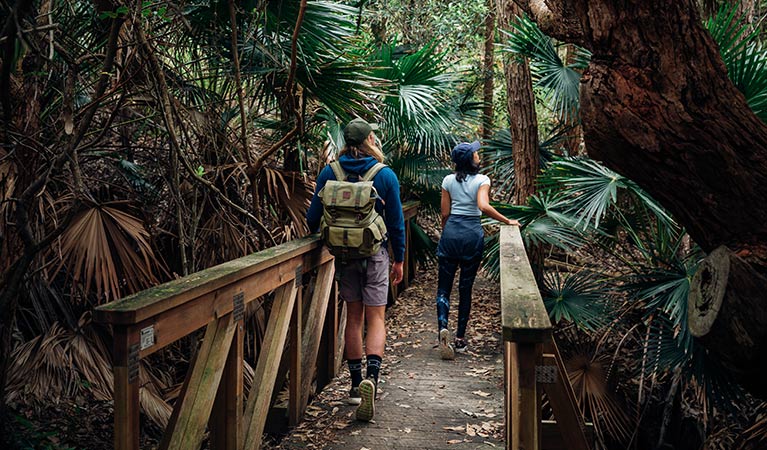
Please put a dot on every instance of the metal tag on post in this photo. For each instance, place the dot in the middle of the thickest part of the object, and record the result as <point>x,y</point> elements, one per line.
<point>147,337</point>
<point>238,306</point>
<point>546,374</point>
<point>133,363</point>
<point>299,275</point>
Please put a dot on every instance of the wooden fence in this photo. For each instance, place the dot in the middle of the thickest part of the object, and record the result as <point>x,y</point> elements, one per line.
<point>532,364</point>
<point>303,315</point>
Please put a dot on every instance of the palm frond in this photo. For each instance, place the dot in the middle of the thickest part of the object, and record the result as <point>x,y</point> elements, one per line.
<point>542,223</point>
<point>743,54</point>
<point>108,248</point>
<point>419,110</point>
<point>560,81</point>
<point>581,298</point>
<point>593,189</point>
<point>597,399</point>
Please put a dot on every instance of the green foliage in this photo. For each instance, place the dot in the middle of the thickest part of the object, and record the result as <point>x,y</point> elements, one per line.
<point>557,80</point>
<point>29,436</point>
<point>593,189</point>
<point>743,54</point>
<point>578,297</point>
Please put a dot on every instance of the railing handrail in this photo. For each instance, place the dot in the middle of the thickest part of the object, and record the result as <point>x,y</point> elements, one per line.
<point>156,300</point>
<point>523,314</point>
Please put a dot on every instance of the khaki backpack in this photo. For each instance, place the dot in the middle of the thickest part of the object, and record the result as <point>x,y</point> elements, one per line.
<point>350,225</point>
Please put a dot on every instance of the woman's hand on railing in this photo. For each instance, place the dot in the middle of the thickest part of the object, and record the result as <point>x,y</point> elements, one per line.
<point>513,222</point>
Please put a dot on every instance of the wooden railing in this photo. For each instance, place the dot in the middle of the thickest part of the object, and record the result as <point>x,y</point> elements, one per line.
<point>532,364</point>
<point>212,395</point>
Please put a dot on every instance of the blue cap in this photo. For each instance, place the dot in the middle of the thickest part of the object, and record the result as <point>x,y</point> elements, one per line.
<point>463,152</point>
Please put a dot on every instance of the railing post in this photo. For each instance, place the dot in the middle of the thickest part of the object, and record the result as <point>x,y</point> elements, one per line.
<point>526,325</point>
<point>406,266</point>
<point>295,406</point>
<point>126,386</point>
<point>510,392</point>
<point>326,362</point>
<point>226,433</point>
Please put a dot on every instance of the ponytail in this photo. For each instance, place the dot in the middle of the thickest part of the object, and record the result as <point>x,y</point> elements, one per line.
<point>362,150</point>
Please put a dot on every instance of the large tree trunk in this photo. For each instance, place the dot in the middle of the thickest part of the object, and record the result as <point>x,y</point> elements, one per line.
<point>488,65</point>
<point>521,108</point>
<point>658,107</point>
<point>523,126</point>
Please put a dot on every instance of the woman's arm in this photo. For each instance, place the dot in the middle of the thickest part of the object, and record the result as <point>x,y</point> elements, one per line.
<point>445,206</point>
<point>483,202</point>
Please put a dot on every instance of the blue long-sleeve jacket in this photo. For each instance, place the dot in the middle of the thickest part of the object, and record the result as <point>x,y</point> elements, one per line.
<point>387,185</point>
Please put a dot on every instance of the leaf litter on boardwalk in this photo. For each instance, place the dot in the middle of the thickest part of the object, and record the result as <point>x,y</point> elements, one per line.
<point>320,428</point>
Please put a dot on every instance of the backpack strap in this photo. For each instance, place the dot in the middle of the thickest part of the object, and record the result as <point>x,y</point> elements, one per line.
<point>338,170</point>
<point>372,172</point>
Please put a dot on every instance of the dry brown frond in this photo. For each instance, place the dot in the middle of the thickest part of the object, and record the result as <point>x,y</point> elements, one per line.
<point>90,356</point>
<point>60,364</point>
<point>597,400</point>
<point>288,191</point>
<point>155,408</point>
<point>109,248</point>
<point>41,369</point>
<point>7,185</point>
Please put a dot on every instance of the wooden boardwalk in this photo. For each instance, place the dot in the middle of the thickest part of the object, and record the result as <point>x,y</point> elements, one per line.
<point>423,401</point>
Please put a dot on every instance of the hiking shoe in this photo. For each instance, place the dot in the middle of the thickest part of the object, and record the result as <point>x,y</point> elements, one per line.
<point>367,408</point>
<point>354,396</point>
<point>445,347</point>
<point>460,345</point>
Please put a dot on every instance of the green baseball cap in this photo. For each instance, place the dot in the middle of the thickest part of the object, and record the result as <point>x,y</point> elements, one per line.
<point>357,131</point>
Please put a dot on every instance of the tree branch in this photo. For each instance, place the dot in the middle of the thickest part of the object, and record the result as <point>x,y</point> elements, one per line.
<point>238,82</point>
<point>157,72</point>
<point>289,86</point>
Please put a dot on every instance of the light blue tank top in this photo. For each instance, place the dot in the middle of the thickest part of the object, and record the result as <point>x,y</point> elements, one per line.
<point>463,196</point>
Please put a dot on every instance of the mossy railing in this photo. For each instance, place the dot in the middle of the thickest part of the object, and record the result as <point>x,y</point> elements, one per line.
<point>532,364</point>
<point>299,275</point>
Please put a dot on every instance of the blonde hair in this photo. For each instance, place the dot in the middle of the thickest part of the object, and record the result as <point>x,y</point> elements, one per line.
<point>363,149</point>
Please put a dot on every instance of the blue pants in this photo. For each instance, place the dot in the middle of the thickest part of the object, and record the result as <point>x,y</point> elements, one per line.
<point>461,247</point>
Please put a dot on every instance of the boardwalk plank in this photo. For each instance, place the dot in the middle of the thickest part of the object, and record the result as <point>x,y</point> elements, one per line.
<point>420,395</point>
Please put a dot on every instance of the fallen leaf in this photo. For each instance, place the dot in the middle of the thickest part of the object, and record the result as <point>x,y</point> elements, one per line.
<point>482,394</point>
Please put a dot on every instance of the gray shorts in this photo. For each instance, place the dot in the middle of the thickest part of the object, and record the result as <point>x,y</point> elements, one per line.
<point>372,286</point>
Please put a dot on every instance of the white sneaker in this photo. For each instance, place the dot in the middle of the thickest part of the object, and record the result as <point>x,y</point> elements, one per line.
<point>354,396</point>
<point>446,350</point>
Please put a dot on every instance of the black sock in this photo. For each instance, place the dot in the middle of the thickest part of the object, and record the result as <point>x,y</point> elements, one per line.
<point>374,366</point>
<point>355,370</point>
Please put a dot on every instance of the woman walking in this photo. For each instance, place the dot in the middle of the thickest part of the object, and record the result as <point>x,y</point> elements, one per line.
<point>364,283</point>
<point>465,196</point>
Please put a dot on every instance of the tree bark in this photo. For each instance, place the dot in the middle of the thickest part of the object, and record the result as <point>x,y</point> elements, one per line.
<point>521,108</point>
<point>523,126</point>
<point>657,106</point>
<point>488,71</point>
